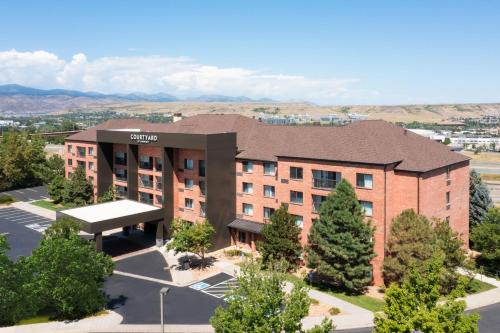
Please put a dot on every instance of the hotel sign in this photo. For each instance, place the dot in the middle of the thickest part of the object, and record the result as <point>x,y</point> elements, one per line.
<point>143,138</point>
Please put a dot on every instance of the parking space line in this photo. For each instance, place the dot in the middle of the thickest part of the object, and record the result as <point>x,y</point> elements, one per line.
<point>220,289</point>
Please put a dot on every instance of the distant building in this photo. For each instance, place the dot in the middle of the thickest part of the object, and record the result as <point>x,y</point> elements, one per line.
<point>357,117</point>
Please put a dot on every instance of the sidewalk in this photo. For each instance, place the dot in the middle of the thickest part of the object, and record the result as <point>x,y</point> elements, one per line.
<point>50,214</point>
<point>485,298</point>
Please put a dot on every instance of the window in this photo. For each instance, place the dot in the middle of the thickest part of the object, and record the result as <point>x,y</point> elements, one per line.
<point>121,174</point>
<point>146,162</point>
<point>296,173</point>
<point>447,219</point>
<point>121,191</point>
<point>188,203</point>
<point>247,188</point>
<point>202,187</point>
<point>91,151</point>
<point>296,197</point>
<point>269,191</point>
<point>188,183</point>
<point>325,179</point>
<point>242,236</point>
<point>364,180</point>
<point>146,198</point>
<point>317,201</point>
<point>81,164</point>
<point>201,168</point>
<point>448,173</point>
<point>145,181</point>
<point>159,164</point>
<point>70,148</point>
<point>367,207</point>
<point>81,151</point>
<point>299,221</point>
<point>159,183</point>
<point>159,199</point>
<point>269,169</point>
<point>247,166</point>
<point>248,209</point>
<point>120,158</point>
<point>447,199</point>
<point>91,180</point>
<point>188,164</point>
<point>203,209</point>
<point>70,162</point>
<point>91,165</point>
<point>268,212</point>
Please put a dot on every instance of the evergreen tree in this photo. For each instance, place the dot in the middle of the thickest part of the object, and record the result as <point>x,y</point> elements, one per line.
<point>56,189</point>
<point>414,305</point>
<point>109,195</point>
<point>480,200</point>
<point>410,243</point>
<point>340,243</point>
<point>281,238</point>
<point>78,190</point>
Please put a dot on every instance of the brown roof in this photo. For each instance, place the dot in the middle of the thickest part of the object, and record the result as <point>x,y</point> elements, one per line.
<point>369,142</point>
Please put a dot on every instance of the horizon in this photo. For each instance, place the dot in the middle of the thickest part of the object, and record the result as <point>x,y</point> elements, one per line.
<point>326,53</point>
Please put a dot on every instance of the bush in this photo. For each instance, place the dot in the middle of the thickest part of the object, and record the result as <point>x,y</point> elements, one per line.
<point>6,199</point>
<point>334,311</point>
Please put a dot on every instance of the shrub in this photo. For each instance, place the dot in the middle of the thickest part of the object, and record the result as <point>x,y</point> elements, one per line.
<point>334,311</point>
<point>6,199</point>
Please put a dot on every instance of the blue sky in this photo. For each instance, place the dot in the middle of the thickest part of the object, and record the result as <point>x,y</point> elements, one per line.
<point>329,52</point>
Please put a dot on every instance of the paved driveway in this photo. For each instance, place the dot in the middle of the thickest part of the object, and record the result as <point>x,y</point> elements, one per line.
<point>23,230</point>
<point>29,194</point>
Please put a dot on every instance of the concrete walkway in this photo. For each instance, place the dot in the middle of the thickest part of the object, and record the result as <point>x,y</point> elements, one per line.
<point>485,298</point>
<point>50,214</point>
<point>179,277</point>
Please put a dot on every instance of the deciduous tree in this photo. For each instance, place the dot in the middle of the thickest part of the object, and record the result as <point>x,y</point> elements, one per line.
<point>486,239</point>
<point>281,238</point>
<point>413,306</point>
<point>259,303</point>
<point>341,242</point>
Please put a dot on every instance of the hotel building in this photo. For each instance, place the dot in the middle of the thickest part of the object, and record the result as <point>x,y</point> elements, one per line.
<point>236,171</point>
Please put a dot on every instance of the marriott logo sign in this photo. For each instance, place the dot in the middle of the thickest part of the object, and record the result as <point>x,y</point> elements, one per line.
<point>143,138</point>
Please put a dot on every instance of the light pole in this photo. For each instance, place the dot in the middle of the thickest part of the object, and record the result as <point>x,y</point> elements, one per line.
<point>163,292</point>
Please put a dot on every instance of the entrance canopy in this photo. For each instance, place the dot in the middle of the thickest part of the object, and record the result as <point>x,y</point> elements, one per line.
<point>246,225</point>
<point>114,214</point>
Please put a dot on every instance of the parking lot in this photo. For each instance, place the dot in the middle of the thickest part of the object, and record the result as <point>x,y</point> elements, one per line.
<point>29,194</point>
<point>23,228</point>
<point>217,286</point>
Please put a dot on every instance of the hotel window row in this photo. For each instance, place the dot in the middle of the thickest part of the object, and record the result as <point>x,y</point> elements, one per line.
<point>269,168</point>
<point>189,165</point>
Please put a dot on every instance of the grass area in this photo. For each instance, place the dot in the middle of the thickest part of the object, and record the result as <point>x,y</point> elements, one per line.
<point>34,320</point>
<point>364,301</point>
<point>48,205</point>
<point>478,286</point>
<point>490,176</point>
<point>6,199</point>
<point>483,156</point>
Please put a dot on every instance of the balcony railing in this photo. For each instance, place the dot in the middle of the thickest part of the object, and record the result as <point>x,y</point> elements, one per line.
<point>145,184</point>
<point>159,186</point>
<point>324,183</point>
<point>121,193</point>
<point>122,178</point>
<point>146,165</point>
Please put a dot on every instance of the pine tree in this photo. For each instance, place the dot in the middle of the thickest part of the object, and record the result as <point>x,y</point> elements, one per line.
<point>480,200</point>
<point>78,190</point>
<point>410,243</point>
<point>281,238</point>
<point>341,242</point>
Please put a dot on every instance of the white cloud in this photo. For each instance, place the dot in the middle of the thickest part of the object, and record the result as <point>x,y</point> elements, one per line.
<point>180,76</point>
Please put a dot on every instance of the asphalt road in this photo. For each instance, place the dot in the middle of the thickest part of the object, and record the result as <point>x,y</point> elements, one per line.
<point>29,194</point>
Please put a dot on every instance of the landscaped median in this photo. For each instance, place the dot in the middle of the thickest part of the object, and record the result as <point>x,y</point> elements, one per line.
<point>48,205</point>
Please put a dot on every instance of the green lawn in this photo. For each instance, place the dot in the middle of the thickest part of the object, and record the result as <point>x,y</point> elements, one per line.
<point>478,286</point>
<point>48,205</point>
<point>366,302</point>
<point>34,320</point>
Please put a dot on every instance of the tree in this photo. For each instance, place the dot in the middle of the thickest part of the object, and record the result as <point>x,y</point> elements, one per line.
<point>56,189</point>
<point>259,303</point>
<point>281,238</point>
<point>413,306</point>
<point>78,190</point>
<point>191,237</point>
<point>485,238</point>
<point>480,200</point>
<point>341,242</point>
<point>63,227</point>
<point>52,168</point>
<point>447,141</point>
<point>109,195</point>
<point>450,243</point>
<point>15,299</point>
<point>68,275</point>
<point>411,242</point>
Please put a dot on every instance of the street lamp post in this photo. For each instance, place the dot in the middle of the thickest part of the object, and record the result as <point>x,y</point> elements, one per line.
<point>163,292</point>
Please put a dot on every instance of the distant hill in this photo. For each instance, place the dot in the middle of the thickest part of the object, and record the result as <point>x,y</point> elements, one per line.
<point>19,100</point>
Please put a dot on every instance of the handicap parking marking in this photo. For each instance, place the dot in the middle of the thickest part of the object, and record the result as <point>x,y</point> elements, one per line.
<point>199,286</point>
<point>37,227</point>
<point>220,289</point>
